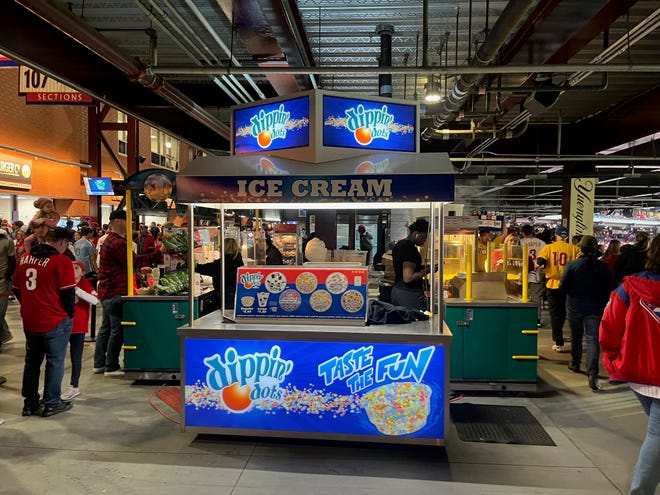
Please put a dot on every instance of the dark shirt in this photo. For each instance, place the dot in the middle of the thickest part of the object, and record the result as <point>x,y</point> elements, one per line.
<point>586,283</point>
<point>273,256</point>
<point>406,250</point>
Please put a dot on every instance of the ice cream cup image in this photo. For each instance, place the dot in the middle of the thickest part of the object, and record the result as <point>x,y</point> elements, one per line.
<point>247,301</point>
<point>398,408</point>
<point>262,298</point>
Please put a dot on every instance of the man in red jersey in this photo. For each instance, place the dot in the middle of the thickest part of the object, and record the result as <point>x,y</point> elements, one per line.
<point>45,286</point>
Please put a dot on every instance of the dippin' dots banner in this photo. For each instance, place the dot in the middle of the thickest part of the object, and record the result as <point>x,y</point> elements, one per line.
<point>336,387</point>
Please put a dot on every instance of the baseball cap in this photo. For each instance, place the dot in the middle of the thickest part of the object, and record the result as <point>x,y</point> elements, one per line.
<point>362,227</point>
<point>562,231</point>
<point>57,233</point>
<point>588,242</point>
<point>118,215</point>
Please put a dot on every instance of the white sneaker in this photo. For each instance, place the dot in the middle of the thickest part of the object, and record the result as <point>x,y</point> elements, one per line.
<point>558,348</point>
<point>71,392</point>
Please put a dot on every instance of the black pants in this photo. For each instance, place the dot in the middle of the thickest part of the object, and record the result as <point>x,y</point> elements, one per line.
<point>557,309</point>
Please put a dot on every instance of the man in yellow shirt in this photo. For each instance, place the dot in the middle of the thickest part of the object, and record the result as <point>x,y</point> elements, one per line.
<point>554,257</point>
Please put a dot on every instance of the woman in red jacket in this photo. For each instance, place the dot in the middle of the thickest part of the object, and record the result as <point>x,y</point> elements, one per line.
<point>630,341</point>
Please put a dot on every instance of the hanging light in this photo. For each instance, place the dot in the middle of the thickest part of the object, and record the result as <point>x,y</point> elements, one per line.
<point>432,93</point>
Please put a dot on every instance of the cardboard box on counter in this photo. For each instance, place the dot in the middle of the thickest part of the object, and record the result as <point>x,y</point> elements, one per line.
<point>485,286</point>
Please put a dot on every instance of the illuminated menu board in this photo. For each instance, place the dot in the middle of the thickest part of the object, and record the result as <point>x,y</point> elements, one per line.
<point>359,388</point>
<point>373,125</point>
<point>274,126</point>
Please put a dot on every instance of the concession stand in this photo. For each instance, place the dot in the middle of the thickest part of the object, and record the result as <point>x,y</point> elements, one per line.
<point>296,357</point>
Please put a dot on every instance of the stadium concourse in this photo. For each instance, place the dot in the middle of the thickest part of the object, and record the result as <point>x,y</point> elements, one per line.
<point>114,441</point>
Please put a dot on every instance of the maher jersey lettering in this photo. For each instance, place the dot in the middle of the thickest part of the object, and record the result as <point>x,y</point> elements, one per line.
<point>557,255</point>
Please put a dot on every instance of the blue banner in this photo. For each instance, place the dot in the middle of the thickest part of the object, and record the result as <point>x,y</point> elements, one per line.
<point>274,126</point>
<point>320,387</point>
<point>310,189</point>
<point>367,124</point>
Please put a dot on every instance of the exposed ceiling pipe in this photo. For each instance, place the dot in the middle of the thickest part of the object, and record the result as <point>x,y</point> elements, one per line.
<point>70,25</point>
<point>512,14</point>
<point>303,48</point>
<point>439,69</point>
<point>385,32</point>
<point>222,45</point>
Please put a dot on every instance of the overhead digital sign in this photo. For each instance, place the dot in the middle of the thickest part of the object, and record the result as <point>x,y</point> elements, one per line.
<point>358,388</point>
<point>367,124</point>
<point>274,126</point>
<point>98,186</point>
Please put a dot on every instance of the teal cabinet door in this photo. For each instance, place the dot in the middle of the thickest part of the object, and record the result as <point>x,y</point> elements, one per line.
<point>151,342</point>
<point>524,344</point>
<point>486,344</point>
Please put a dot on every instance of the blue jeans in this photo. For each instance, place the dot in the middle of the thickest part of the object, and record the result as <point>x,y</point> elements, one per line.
<point>581,325</point>
<point>76,344</point>
<point>110,337</point>
<point>4,302</point>
<point>647,474</point>
<point>52,345</point>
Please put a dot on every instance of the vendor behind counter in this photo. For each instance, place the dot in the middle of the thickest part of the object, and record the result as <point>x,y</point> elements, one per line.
<point>409,273</point>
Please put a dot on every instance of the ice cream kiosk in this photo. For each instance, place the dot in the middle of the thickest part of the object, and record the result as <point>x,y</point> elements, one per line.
<point>296,358</point>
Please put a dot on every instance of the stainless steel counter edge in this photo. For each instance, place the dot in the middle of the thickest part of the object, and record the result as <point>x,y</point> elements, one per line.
<point>487,304</point>
<point>164,297</point>
<point>211,326</point>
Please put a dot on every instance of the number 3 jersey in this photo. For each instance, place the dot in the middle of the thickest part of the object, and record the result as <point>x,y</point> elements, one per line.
<point>557,255</point>
<point>40,277</point>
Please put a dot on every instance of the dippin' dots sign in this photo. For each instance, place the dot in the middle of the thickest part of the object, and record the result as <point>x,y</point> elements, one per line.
<point>245,379</point>
<point>268,126</point>
<point>367,125</point>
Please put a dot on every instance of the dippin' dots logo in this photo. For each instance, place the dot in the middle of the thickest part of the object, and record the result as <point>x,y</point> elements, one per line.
<point>367,125</point>
<point>251,280</point>
<point>245,379</point>
<point>267,126</point>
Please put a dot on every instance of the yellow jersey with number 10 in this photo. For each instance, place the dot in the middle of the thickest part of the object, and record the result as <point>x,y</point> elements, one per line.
<point>557,255</point>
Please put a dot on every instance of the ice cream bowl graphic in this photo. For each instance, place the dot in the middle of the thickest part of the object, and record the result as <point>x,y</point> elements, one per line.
<point>398,408</point>
<point>247,301</point>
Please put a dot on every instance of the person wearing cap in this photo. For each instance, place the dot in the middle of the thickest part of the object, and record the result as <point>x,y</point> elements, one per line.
<point>44,284</point>
<point>554,258</point>
<point>586,284</point>
<point>365,241</point>
<point>85,297</point>
<point>46,211</point>
<point>111,286</point>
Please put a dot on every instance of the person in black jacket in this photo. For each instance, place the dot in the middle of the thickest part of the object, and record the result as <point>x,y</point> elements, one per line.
<point>273,255</point>
<point>586,283</point>
<point>632,259</point>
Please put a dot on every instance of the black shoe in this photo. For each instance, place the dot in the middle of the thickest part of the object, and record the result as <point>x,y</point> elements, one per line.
<point>575,368</point>
<point>593,383</point>
<point>539,324</point>
<point>31,410</point>
<point>53,410</point>
<point>2,380</point>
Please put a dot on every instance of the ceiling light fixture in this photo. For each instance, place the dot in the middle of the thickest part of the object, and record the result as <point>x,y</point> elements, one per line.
<point>432,93</point>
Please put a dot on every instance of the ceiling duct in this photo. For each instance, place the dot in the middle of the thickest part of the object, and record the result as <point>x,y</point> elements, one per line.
<point>385,31</point>
<point>512,14</point>
<point>539,101</point>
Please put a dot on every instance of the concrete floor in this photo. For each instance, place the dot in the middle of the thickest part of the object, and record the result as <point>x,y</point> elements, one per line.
<point>114,441</point>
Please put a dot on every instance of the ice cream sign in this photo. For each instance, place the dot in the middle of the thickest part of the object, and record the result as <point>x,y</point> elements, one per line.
<point>244,380</point>
<point>358,369</point>
<point>273,126</point>
<point>352,123</point>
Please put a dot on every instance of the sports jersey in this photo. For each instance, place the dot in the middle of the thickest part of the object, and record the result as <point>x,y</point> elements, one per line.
<point>40,280</point>
<point>534,247</point>
<point>557,255</point>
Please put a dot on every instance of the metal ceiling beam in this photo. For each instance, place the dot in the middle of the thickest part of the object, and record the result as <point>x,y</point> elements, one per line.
<point>442,70</point>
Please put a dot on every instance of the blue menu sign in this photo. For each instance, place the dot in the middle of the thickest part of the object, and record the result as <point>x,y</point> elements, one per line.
<point>356,388</point>
<point>366,124</point>
<point>274,126</point>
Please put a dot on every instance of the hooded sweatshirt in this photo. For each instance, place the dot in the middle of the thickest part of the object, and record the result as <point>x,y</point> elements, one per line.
<point>630,330</point>
<point>44,283</point>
